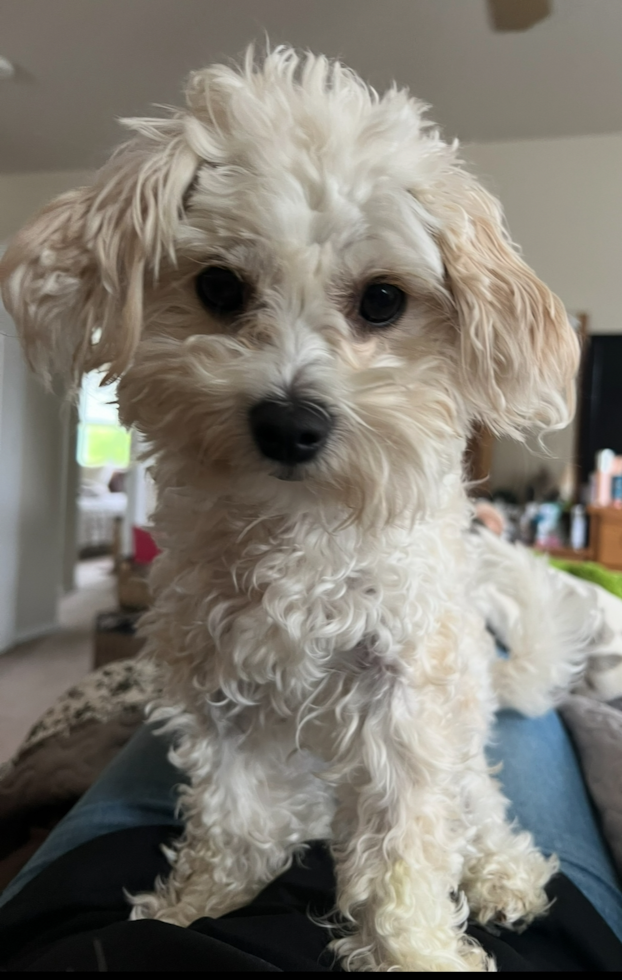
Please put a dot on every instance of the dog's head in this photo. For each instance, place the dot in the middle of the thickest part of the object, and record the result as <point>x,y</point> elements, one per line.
<point>299,286</point>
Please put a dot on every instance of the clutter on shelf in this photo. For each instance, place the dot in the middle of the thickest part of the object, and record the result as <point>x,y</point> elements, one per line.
<point>550,517</point>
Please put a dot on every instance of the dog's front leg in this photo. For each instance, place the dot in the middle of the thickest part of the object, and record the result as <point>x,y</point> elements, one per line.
<point>400,842</point>
<point>250,804</point>
<point>505,876</point>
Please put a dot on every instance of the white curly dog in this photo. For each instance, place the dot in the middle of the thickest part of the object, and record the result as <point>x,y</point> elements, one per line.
<point>309,303</point>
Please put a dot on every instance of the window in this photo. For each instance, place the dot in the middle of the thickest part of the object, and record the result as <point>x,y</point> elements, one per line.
<point>102,440</point>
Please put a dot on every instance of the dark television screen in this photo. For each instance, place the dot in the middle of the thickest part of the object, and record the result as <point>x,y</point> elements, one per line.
<point>601,400</point>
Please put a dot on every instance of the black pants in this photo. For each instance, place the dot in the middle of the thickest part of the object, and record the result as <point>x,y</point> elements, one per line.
<point>73,917</point>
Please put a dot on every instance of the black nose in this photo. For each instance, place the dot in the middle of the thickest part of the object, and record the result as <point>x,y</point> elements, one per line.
<point>290,431</point>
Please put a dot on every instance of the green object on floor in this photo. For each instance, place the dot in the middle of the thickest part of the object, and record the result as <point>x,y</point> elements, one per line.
<point>591,571</point>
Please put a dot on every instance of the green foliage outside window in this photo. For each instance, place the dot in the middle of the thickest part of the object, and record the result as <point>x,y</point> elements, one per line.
<point>101,445</point>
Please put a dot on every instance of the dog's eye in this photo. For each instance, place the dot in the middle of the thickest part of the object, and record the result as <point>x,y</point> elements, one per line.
<point>382,303</point>
<point>220,290</point>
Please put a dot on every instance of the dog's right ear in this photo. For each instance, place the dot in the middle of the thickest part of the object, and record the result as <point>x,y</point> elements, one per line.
<point>73,278</point>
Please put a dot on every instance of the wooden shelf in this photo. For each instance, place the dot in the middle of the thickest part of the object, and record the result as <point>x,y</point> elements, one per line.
<point>606,535</point>
<point>613,515</point>
<point>605,545</point>
<point>568,554</point>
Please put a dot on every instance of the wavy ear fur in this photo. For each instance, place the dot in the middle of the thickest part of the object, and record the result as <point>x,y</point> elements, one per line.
<point>73,277</point>
<point>519,354</point>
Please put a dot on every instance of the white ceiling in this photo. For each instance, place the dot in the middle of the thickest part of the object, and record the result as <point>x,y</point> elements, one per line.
<point>83,63</point>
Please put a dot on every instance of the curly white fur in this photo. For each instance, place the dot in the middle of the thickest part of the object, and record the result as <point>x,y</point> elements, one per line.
<point>327,669</point>
<point>548,621</point>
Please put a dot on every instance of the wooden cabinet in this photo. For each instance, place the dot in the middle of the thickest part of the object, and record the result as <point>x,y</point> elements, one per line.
<point>606,536</point>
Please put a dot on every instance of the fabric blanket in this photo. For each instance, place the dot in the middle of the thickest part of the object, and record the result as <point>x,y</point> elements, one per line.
<point>64,753</point>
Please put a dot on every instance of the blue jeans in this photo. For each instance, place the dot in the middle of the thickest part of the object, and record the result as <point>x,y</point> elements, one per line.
<point>540,776</point>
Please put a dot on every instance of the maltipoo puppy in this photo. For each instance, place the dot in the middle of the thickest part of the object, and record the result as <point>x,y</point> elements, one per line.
<point>309,303</point>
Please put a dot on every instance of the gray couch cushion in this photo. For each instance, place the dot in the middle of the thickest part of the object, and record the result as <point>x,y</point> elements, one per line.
<point>596,729</point>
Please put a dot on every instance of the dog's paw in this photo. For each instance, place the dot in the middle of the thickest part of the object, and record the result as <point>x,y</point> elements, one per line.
<point>155,905</point>
<point>461,955</point>
<point>475,958</point>
<point>510,891</point>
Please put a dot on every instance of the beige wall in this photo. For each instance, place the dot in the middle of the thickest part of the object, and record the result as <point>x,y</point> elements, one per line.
<point>23,194</point>
<point>35,434</point>
<point>33,466</point>
<point>563,202</point>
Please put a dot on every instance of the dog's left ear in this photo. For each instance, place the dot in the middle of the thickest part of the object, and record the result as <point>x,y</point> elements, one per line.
<point>519,354</point>
<point>73,278</point>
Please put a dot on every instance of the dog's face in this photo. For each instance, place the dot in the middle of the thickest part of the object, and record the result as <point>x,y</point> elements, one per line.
<point>304,293</point>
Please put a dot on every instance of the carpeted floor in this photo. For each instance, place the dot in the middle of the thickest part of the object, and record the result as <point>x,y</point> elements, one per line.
<point>33,674</point>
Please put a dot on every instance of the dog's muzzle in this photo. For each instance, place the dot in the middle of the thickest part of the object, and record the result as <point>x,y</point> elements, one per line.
<point>290,431</point>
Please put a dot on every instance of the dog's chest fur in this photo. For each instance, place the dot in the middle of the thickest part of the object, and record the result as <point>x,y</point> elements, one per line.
<point>265,609</point>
